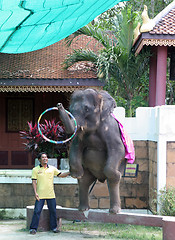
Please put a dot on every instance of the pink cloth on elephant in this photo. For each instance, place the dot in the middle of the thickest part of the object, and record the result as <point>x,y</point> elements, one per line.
<point>128,143</point>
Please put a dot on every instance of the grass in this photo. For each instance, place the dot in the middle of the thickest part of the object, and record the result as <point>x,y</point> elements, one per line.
<point>98,231</point>
<point>113,231</point>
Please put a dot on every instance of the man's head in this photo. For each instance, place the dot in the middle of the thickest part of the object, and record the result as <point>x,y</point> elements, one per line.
<point>42,157</point>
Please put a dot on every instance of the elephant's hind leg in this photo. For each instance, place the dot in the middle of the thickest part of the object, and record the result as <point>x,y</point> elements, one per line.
<point>114,193</point>
<point>84,184</point>
<point>113,180</point>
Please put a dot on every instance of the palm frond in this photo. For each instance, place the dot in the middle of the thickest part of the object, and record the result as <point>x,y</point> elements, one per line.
<point>80,55</point>
<point>116,60</point>
<point>92,31</point>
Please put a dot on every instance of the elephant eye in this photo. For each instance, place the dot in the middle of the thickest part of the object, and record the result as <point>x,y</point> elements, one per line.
<point>86,109</point>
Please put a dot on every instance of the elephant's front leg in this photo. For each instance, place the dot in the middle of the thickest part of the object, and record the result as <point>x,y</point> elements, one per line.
<point>75,159</point>
<point>84,184</point>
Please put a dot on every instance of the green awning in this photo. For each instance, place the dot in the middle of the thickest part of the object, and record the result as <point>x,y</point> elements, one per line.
<point>29,25</point>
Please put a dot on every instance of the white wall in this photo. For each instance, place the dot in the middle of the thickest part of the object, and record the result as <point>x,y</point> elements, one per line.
<point>153,124</point>
<point>150,123</point>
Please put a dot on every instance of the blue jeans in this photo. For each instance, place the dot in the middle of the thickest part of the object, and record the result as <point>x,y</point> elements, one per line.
<point>51,203</point>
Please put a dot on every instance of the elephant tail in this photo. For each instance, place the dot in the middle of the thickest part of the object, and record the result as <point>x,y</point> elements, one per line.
<point>92,186</point>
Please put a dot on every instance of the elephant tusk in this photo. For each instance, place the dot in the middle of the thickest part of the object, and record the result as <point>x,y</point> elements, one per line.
<point>81,128</point>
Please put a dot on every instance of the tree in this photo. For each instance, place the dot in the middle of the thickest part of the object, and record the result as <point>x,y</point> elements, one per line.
<point>115,62</point>
<point>156,6</point>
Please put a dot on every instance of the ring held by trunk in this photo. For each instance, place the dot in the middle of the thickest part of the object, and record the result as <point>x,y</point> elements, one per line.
<point>52,141</point>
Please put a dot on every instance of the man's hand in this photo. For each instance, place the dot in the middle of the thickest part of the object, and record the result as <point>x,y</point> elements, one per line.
<point>37,196</point>
<point>35,189</point>
<point>64,174</point>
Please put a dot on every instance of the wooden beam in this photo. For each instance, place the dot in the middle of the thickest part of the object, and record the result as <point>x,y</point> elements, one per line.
<point>166,223</point>
<point>106,217</point>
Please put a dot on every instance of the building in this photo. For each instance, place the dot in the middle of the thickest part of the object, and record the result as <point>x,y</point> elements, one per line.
<point>152,129</point>
<point>158,35</point>
<point>29,84</point>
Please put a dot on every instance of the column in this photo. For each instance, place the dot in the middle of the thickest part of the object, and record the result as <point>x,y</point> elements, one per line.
<point>152,77</point>
<point>161,75</point>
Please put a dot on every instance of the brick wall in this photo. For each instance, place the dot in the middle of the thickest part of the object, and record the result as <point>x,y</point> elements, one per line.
<point>15,195</point>
<point>152,148</point>
<point>134,192</point>
<point>170,173</point>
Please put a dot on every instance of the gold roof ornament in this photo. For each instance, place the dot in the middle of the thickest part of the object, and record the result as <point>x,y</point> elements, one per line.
<point>148,23</point>
<point>136,32</point>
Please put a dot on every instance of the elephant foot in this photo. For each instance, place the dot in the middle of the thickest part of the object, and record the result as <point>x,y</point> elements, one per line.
<point>76,174</point>
<point>115,210</point>
<point>83,208</point>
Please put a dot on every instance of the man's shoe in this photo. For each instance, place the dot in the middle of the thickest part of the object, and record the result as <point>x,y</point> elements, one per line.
<point>55,230</point>
<point>32,231</point>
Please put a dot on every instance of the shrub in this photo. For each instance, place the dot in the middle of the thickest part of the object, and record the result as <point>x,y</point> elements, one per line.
<point>2,214</point>
<point>35,143</point>
<point>167,201</point>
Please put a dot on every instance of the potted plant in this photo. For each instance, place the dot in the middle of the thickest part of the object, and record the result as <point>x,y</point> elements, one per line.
<point>64,161</point>
<point>35,143</point>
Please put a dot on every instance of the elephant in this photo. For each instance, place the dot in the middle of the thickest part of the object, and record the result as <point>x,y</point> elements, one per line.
<point>97,151</point>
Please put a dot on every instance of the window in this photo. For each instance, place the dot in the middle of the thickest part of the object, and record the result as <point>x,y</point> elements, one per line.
<point>3,157</point>
<point>19,158</point>
<point>19,112</point>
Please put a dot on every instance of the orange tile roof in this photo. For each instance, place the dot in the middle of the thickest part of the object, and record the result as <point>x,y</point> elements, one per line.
<point>46,63</point>
<point>163,32</point>
<point>166,25</point>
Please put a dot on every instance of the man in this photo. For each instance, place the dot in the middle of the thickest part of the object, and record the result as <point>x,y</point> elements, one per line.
<point>42,181</point>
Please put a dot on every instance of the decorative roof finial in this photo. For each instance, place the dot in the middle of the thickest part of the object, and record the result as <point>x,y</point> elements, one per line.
<point>148,23</point>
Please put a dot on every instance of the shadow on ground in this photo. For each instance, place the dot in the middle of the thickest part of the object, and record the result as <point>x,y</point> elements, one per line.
<point>16,229</point>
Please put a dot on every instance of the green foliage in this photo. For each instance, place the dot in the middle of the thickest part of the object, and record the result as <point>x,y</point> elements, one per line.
<point>5,216</point>
<point>91,31</point>
<point>170,92</point>
<point>154,7</point>
<point>2,214</point>
<point>119,63</point>
<point>138,100</point>
<point>167,201</point>
<point>125,75</point>
<point>116,63</point>
<point>80,55</point>
<point>113,231</point>
<point>35,143</point>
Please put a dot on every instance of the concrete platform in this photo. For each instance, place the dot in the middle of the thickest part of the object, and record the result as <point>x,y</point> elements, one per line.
<point>44,223</point>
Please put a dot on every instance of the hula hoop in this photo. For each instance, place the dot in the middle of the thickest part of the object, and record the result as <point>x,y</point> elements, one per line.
<point>52,141</point>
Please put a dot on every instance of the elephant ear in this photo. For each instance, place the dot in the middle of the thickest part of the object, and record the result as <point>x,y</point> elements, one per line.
<point>107,104</point>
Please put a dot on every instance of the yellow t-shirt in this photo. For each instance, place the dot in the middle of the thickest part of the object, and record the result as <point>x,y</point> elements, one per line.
<point>44,177</point>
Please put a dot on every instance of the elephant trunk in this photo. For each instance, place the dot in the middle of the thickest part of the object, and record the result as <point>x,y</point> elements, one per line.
<point>68,123</point>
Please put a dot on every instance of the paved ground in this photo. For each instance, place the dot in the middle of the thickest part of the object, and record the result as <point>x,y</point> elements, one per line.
<point>16,229</point>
